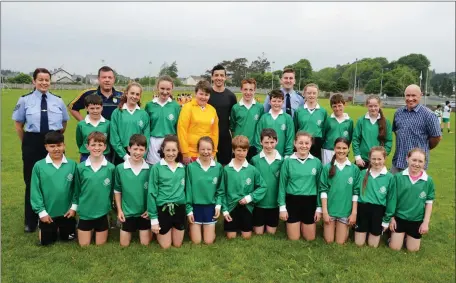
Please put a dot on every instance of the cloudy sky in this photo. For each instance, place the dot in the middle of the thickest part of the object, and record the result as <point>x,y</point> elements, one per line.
<point>127,36</point>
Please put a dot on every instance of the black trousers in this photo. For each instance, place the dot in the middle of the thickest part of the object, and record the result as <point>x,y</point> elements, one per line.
<point>33,150</point>
<point>225,150</point>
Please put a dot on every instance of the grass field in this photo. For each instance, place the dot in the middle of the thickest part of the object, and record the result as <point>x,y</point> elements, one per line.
<point>261,259</point>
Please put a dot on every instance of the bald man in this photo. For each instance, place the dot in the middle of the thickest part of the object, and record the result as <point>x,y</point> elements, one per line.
<point>415,126</point>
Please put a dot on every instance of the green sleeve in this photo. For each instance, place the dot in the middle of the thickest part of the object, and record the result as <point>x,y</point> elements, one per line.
<point>73,184</point>
<point>220,193</point>
<point>79,136</point>
<point>391,201</point>
<point>317,177</point>
<point>260,187</point>
<point>356,139</point>
<point>290,137</point>
<point>224,185</point>
<point>188,191</point>
<point>117,182</point>
<point>146,133</point>
<point>356,180</point>
<point>36,195</point>
<point>431,190</point>
<point>232,120</point>
<point>256,137</point>
<point>152,194</point>
<point>295,121</point>
<point>323,130</point>
<point>178,111</point>
<point>261,111</point>
<point>350,130</point>
<point>77,186</point>
<point>324,181</point>
<point>283,181</point>
<point>114,134</point>
<point>389,137</point>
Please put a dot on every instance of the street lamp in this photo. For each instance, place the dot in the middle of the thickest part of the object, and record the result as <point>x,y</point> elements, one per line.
<point>150,76</point>
<point>381,82</point>
<point>299,87</point>
<point>272,72</point>
<point>354,85</point>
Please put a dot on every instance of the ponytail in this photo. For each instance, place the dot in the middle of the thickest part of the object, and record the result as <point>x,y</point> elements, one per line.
<point>381,128</point>
<point>332,170</point>
<point>123,98</point>
<point>366,177</point>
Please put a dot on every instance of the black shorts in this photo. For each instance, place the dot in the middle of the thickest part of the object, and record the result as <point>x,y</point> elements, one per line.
<point>369,218</point>
<point>315,149</point>
<point>62,226</point>
<point>177,220</point>
<point>410,228</point>
<point>224,149</point>
<point>133,224</point>
<point>301,208</point>
<point>242,220</point>
<point>99,224</point>
<point>265,216</point>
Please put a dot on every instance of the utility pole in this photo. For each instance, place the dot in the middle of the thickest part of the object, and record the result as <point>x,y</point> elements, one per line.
<point>354,84</point>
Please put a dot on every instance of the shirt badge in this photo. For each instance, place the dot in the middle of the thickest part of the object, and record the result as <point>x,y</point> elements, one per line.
<point>318,122</point>
<point>350,180</point>
<point>146,185</point>
<point>248,181</point>
<point>70,177</point>
<point>171,117</point>
<point>183,181</point>
<point>283,127</point>
<point>141,123</point>
<point>314,171</point>
<point>256,116</point>
<point>214,181</point>
<point>106,182</point>
<point>114,100</point>
<point>422,195</point>
<point>345,133</point>
<point>382,190</point>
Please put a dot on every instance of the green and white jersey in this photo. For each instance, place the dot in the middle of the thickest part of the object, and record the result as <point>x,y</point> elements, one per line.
<point>133,185</point>
<point>52,187</point>
<point>126,123</point>
<point>365,136</point>
<point>299,177</point>
<point>163,117</point>
<point>204,186</point>
<point>438,113</point>
<point>410,197</point>
<point>93,189</point>
<point>311,121</point>
<point>243,119</point>
<point>335,129</point>
<point>342,189</point>
<point>166,186</point>
<point>283,125</point>
<point>270,172</point>
<point>243,182</point>
<point>86,127</point>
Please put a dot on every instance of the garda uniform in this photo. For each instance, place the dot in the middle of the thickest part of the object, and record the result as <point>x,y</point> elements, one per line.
<point>109,103</point>
<point>40,114</point>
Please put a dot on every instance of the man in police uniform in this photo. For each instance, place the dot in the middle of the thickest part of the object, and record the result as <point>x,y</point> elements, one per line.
<point>36,114</point>
<point>110,96</point>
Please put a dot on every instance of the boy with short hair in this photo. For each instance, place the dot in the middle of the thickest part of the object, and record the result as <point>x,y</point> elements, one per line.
<point>281,122</point>
<point>130,191</point>
<point>268,162</point>
<point>52,189</point>
<point>243,185</point>
<point>93,191</point>
<point>93,121</point>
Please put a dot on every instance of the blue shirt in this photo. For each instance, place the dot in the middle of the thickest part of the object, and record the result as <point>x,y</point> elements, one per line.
<point>296,100</point>
<point>109,103</point>
<point>28,111</point>
<point>413,129</point>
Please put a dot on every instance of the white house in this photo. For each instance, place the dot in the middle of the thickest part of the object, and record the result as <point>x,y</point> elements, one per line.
<point>91,79</point>
<point>192,80</point>
<point>61,76</point>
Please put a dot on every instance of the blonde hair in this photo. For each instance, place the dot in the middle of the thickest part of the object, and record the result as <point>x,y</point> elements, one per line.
<point>123,98</point>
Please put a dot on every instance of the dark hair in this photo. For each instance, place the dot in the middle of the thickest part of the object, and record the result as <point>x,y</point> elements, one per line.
<point>123,98</point>
<point>96,137</point>
<point>447,102</point>
<point>303,134</point>
<point>249,81</point>
<point>366,177</point>
<point>336,99</point>
<point>39,71</point>
<point>218,68</point>
<point>54,138</point>
<point>332,171</point>
<point>381,122</point>
<point>165,79</point>
<point>268,132</point>
<point>138,139</point>
<point>276,93</point>
<point>439,106</point>
<point>205,139</point>
<point>167,139</point>
<point>93,99</point>
<point>106,69</point>
<point>240,141</point>
<point>288,70</point>
<point>416,149</point>
<point>204,86</point>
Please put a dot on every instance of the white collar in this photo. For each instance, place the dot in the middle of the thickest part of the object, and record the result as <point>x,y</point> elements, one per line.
<point>369,117</point>
<point>294,156</point>
<point>423,177</point>
<point>316,107</point>
<point>345,117</point>
<point>280,112</point>
<point>210,165</point>
<point>164,163</point>
<point>242,103</point>
<point>88,121</point>
<point>103,163</point>
<point>245,165</point>
<point>156,100</point>
<point>276,157</point>
<point>49,160</point>
<point>127,165</point>
<point>382,172</point>
<point>342,165</point>
<point>124,107</point>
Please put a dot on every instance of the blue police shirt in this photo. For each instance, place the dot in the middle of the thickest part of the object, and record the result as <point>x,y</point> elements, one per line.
<point>28,111</point>
<point>109,103</point>
<point>296,100</point>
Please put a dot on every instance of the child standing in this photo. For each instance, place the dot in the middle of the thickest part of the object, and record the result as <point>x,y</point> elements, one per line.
<point>372,129</point>
<point>243,185</point>
<point>438,112</point>
<point>52,189</point>
<point>374,196</point>
<point>411,207</point>
<point>92,122</point>
<point>204,193</point>
<point>130,192</point>
<point>446,116</point>
<point>166,195</point>
<point>339,124</point>
<point>268,162</point>
<point>93,192</point>
<point>281,122</point>
<point>339,194</point>
<point>299,180</point>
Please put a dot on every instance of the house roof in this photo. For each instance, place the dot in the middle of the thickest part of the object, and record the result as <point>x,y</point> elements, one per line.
<point>60,70</point>
<point>196,78</point>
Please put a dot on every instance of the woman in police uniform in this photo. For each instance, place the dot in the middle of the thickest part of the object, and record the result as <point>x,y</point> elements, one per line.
<point>36,114</point>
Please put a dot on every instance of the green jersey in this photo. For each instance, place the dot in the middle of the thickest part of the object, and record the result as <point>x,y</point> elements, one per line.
<point>124,124</point>
<point>243,119</point>
<point>245,182</point>
<point>299,177</point>
<point>163,117</point>
<point>284,127</point>
<point>204,186</point>
<point>133,186</point>
<point>93,189</point>
<point>340,190</point>
<point>334,130</point>
<point>270,172</point>
<point>85,127</point>
<point>365,136</point>
<point>52,188</point>
<point>166,186</point>
<point>311,121</point>
<point>410,197</point>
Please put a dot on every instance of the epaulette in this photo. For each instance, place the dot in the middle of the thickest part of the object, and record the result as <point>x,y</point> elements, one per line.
<point>55,95</point>
<point>28,93</point>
